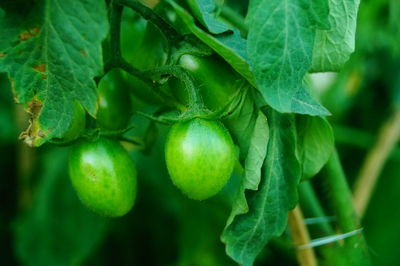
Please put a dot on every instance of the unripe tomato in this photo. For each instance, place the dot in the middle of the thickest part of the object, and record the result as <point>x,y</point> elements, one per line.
<point>150,54</point>
<point>216,80</point>
<point>104,176</point>
<point>200,157</point>
<point>115,108</point>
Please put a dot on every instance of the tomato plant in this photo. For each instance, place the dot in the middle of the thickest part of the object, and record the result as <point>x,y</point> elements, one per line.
<point>215,133</point>
<point>104,176</point>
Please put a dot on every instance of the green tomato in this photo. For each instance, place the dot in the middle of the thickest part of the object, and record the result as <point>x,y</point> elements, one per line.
<point>216,80</point>
<point>150,54</point>
<point>115,108</point>
<point>200,156</point>
<point>104,176</point>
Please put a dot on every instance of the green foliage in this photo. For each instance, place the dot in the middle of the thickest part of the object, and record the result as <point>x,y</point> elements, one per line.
<point>333,46</point>
<point>280,47</point>
<point>247,234</point>
<point>206,12</point>
<point>248,124</point>
<point>252,165</point>
<point>231,46</point>
<point>316,144</point>
<point>55,53</point>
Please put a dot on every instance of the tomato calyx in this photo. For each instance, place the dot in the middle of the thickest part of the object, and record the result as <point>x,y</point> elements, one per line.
<point>170,118</point>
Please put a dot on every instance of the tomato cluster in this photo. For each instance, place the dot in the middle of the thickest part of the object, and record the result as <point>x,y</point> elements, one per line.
<point>199,151</point>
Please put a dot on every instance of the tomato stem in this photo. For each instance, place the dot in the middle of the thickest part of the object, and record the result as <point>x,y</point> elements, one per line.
<point>147,13</point>
<point>115,30</point>
<point>195,101</point>
<point>144,76</point>
<point>341,198</point>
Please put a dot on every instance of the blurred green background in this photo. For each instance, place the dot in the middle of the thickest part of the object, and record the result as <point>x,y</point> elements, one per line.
<point>42,221</point>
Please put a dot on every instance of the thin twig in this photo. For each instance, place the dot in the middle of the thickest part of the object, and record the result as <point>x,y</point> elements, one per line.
<point>305,256</point>
<point>388,136</point>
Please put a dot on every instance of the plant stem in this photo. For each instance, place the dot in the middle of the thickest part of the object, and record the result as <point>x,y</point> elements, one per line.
<point>115,31</point>
<point>388,136</point>
<point>305,256</point>
<point>340,196</point>
<point>145,77</point>
<point>147,13</point>
<point>195,100</point>
<point>312,207</point>
<point>329,254</point>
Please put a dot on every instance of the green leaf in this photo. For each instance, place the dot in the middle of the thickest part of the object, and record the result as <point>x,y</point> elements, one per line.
<point>10,25</point>
<point>252,166</point>
<point>280,46</point>
<point>248,233</point>
<point>316,143</point>
<point>206,11</point>
<point>230,45</point>
<point>52,62</point>
<point>332,47</point>
<point>57,229</point>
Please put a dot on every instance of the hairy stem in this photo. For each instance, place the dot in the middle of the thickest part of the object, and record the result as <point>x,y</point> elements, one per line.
<point>388,136</point>
<point>300,235</point>
<point>355,246</point>
<point>184,76</point>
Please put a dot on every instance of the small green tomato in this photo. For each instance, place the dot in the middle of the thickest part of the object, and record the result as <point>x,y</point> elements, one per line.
<point>200,156</point>
<point>104,176</point>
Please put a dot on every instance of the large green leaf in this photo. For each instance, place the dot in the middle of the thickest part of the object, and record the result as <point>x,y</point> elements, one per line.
<point>332,47</point>
<point>52,61</point>
<point>257,150</point>
<point>57,229</point>
<point>316,143</point>
<point>280,46</point>
<point>248,233</point>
